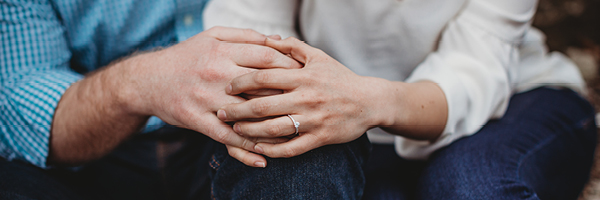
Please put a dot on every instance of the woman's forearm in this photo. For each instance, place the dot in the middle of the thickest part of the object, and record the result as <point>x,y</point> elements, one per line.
<point>416,110</point>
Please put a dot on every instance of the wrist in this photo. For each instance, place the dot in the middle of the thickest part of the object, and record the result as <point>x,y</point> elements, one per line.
<point>383,101</point>
<point>126,85</point>
<point>419,110</point>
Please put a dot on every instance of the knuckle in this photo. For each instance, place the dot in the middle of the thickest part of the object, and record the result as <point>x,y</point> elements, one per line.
<point>250,35</point>
<point>182,111</point>
<point>261,77</point>
<point>274,130</point>
<point>289,152</point>
<point>268,57</point>
<point>213,75</point>
<point>222,136</point>
<point>248,31</point>
<point>212,31</point>
<point>259,108</point>
<point>246,144</point>
<point>317,98</point>
<point>220,48</point>
<point>232,113</point>
<point>216,29</point>
<point>312,99</point>
<point>293,39</point>
<point>322,139</point>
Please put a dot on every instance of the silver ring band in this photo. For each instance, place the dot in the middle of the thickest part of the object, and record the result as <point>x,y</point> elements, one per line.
<point>296,124</point>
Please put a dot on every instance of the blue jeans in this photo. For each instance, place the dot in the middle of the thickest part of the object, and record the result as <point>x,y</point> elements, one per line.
<point>330,172</point>
<point>179,164</point>
<point>541,149</point>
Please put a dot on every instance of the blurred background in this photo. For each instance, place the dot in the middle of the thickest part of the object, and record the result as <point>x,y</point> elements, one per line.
<point>573,28</point>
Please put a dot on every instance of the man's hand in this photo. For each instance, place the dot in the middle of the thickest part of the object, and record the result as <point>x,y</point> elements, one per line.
<point>182,85</point>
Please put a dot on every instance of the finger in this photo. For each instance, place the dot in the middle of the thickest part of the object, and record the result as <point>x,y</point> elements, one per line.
<point>261,107</point>
<point>296,48</point>
<point>260,57</point>
<point>221,132</point>
<point>250,159</point>
<point>215,105</point>
<point>236,35</point>
<point>294,147</point>
<point>265,79</point>
<point>276,127</point>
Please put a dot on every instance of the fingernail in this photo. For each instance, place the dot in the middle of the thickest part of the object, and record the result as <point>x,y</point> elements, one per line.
<point>237,128</point>
<point>229,89</point>
<point>221,115</point>
<point>258,149</point>
<point>260,164</point>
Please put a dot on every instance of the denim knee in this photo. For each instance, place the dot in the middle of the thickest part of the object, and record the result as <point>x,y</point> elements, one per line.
<point>329,172</point>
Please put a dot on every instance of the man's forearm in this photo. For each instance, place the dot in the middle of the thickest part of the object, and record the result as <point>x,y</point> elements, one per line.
<point>92,117</point>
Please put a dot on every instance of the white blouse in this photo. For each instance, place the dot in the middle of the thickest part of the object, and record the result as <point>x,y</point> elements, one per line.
<point>480,52</point>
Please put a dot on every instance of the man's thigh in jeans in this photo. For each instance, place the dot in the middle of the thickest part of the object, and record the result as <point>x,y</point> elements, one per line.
<point>329,172</point>
<point>19,180</point>
<point>170,163</point>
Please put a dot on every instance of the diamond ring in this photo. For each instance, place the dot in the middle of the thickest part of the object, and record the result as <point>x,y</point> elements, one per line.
<point>296,124</point>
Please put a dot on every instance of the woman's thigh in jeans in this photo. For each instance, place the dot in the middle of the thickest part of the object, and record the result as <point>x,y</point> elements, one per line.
<point>541,149</point>
<point>329,172</point>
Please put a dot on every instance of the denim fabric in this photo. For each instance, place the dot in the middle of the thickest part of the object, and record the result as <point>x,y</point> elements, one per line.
<point>173,163</point>
<point>541,149</point>
<point>330,172</point>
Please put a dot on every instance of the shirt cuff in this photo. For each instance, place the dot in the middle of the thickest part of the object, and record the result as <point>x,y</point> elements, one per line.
<point>153,124</point>
<point>27,111</point>
<point>457,100</point>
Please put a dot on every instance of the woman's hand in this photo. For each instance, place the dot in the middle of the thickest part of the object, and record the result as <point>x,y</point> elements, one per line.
<point>332,104</point>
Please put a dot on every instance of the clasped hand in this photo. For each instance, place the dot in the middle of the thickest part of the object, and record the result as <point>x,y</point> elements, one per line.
<point>332,104</point>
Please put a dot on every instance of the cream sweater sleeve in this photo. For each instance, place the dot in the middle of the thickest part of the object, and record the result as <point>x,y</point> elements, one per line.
<point>476,67</point>
<point>265,16</point>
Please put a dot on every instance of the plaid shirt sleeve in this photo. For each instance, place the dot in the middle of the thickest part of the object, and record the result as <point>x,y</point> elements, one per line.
<point>34,73</point>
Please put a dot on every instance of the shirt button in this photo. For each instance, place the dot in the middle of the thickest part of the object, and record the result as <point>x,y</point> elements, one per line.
<point>188,20</point>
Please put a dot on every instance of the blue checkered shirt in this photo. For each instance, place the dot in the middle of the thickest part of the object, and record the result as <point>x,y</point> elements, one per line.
<point>46,45</point>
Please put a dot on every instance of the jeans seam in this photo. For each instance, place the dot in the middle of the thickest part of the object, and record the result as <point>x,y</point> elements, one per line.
<point>212,191</point>
<point>530,152</point>
<point>542,144</point>
<point>216,168</point>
